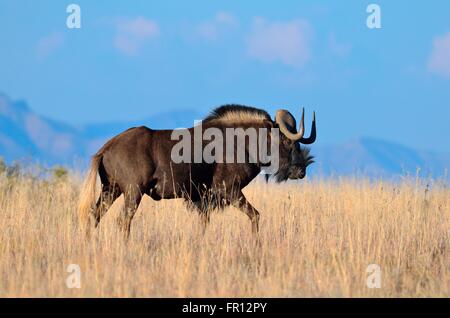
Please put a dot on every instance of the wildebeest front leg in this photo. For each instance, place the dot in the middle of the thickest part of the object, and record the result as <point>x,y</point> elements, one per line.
<point>242,204</point>
<point>203,212</point>
<point>131,203</point>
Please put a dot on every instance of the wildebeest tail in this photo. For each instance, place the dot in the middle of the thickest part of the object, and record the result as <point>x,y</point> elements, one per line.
<point>87,194</point>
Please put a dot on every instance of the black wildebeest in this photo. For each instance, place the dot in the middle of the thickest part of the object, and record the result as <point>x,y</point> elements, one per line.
<point>139,161</point>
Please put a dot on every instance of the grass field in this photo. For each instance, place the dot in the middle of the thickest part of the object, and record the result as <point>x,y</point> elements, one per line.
<point>317,238</point>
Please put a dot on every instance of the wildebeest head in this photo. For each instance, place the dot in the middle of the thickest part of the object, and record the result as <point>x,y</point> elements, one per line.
<point>294,158</point>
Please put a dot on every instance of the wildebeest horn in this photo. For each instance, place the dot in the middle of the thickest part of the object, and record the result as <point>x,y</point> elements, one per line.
<point>284,118</point>
<point>312,136</point>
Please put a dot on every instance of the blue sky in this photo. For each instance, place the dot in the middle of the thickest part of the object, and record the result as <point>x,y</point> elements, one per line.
<point>132,59</point>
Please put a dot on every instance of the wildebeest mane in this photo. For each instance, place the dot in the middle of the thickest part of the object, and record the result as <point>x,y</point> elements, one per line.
<point>233,113</point>
<point>307,157</point>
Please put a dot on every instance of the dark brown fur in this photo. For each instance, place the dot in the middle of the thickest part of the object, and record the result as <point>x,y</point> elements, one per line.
<point>138,161</point>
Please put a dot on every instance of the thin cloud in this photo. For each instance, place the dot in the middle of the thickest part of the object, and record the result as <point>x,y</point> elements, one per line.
<point>213,29</point>
<point>285,42</point>
<point>49,44</point>
<point>133,34</point>
<point>338,48</point>
<point>439,60</point>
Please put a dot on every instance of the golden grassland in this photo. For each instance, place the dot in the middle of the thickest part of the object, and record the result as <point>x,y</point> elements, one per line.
<point>317,239</point>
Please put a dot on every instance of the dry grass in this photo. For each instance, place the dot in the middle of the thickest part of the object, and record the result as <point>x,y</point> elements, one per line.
<point>317,239</point>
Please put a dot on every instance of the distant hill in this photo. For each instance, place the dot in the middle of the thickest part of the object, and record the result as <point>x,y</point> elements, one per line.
<point>378,158</point>
<point>27,136</point>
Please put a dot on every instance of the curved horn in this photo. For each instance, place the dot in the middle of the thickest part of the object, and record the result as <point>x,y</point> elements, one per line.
<point>282,117</point>
<point>313,135</point>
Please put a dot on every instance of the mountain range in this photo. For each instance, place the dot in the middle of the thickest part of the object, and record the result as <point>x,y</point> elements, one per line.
<point>30,137</point>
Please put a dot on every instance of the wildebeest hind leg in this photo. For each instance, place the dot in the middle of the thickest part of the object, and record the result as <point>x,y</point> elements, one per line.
<point>132,199</point>
<point>107,197</point>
